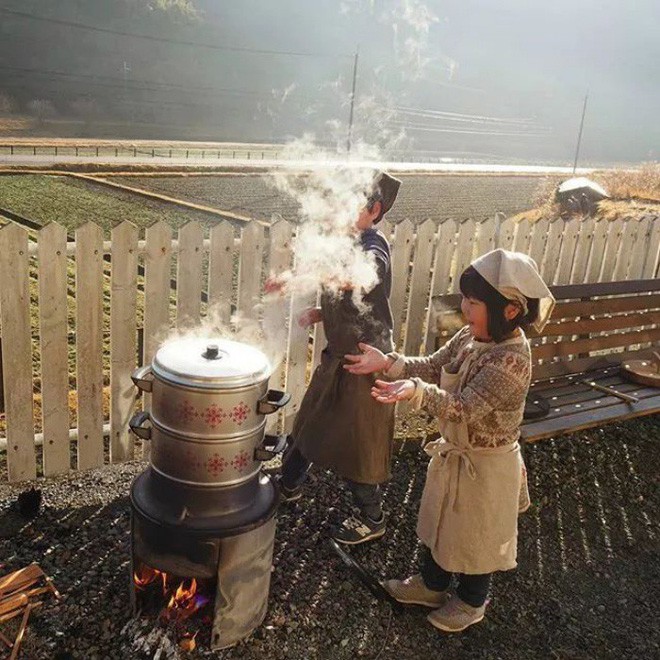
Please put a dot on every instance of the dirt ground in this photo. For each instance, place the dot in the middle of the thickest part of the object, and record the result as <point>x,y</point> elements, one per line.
<point>586,585</point>
<point>421,196</point>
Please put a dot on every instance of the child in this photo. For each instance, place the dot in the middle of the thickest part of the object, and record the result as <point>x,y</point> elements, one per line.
<point>475,486</point>
<point>339,425</point>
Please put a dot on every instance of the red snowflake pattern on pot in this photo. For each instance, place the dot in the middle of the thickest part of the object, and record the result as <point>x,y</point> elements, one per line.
<point>187,411</point>
<point>216,464</point>
<point>241,461</point>
<point>239,413</point>
<point>214,415</point>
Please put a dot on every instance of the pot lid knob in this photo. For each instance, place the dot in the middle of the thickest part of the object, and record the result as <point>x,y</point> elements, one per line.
<point>212,352</point>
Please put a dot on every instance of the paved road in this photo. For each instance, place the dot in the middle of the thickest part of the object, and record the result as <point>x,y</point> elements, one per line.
<point>53,161</point>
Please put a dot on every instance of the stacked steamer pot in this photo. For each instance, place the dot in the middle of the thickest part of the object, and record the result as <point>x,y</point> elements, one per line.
<point>204,499</point>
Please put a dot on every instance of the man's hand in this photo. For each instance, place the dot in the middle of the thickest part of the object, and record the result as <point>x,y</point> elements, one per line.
<point>369,362</point>
<point>310,316</point>
<point>398,390</point>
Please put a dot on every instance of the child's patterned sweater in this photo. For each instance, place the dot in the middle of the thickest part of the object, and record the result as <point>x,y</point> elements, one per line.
<point>492,394</point>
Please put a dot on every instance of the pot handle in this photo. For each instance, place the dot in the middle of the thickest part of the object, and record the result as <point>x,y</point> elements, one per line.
<point>272,401</point>
<point>136,425</point>
<point>143,378</point>
<point>270,447</point>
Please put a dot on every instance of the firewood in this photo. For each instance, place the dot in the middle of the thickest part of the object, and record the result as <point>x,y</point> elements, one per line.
<point>8,642</point>
<point>13,602</point>
<point>21,632</point>
<point>17,612</point>
<point>20,579</point>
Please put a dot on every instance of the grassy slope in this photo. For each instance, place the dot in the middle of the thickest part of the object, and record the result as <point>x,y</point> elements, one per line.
<point>72,203</point>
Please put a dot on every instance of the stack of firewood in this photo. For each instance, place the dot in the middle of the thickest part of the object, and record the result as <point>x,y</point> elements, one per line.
<point>21,592</point>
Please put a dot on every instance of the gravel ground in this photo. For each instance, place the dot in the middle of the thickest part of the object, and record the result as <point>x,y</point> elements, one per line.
<point>421,196</point>
<point>586,585</point>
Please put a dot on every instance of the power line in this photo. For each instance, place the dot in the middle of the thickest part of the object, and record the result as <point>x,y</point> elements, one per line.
<point>433,129</point>
<point>151,86</point>
<point>459,116</point>
<point>180,42</point>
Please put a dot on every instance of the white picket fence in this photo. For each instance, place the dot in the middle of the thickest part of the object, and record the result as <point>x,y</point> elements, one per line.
<point>426,260</point>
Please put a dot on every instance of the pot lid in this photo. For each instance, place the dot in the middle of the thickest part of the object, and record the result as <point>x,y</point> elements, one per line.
<point>211,362</point>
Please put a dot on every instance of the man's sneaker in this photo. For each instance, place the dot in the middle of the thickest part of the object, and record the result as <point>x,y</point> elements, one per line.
<point>355,530</point>
<point>413,591</point>
<point>456,615</point>
<point>288,494</point>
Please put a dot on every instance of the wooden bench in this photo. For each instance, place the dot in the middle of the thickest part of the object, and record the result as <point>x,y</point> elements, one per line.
<point>594,328</point>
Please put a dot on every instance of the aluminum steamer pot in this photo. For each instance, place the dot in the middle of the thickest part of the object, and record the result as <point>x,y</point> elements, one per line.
<point>209,401</point>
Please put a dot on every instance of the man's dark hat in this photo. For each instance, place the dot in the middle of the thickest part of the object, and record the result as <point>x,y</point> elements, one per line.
<point>386,188</point>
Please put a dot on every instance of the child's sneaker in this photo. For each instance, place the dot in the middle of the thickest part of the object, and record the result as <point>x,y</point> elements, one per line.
<point>356,530</point>
<point>288,494</point>
<point>456,615</point>
<point>413,591</point>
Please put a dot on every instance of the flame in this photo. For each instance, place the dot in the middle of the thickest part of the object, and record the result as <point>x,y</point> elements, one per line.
<point>182,602</point>
<point>146,575</point>
<point>186,601</point>
<point>187,642</point>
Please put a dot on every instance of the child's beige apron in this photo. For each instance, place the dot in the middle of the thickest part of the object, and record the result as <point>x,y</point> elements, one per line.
<point>469,508</point>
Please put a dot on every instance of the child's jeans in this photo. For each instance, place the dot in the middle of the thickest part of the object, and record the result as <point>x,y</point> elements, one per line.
<point>472,589</point>
<point>367,497</point>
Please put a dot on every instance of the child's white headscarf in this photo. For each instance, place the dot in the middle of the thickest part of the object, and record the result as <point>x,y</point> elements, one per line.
<point>516,277</point>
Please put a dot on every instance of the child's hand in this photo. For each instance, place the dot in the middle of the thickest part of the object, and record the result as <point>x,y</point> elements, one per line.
<point>310,316</point>
<point>274,284</point>
<point>398,390</point>
<point>369,362</point>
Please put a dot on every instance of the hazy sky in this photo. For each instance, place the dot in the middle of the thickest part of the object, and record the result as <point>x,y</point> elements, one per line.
<point>501,59</point>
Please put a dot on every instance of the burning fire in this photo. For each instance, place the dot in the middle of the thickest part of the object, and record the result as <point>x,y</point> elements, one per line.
<point>183,601</point>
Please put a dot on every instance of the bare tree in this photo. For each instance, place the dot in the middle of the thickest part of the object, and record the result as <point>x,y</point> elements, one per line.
<point>42,109</point>
<point>7,104</point>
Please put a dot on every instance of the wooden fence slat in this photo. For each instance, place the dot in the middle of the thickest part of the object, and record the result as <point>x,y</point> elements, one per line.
<point>639,249</point>
<point>505,232</point>
<point>582,251</point>
<point>653,250</point>
<point>464,250</point>
<point>552,249</point>
<point>320,341</point>
<point>157,269</point>
<point>402,245</point>
<point>189,275</point>
<point>89,344</point>
<point>17,353</point>
<point>123,339</point>
<point>599,242</point>
<point>612,246</point>
<point>298,354</point>
<point>221,271</point>
<point>249,270</point>
<point>523,237</point>
<point>628,237</point>
<point>52,269</point>
<point>444,249</point>
<point>275,307</point>
<point>486,235</point>
<point>567,251</point>
<point>418,300</point>
<point>157,265</point>
<point>539,240</point>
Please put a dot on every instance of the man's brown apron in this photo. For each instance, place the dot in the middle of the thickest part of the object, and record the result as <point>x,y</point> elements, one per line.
<point>468,514</point>
<point>339,425</point>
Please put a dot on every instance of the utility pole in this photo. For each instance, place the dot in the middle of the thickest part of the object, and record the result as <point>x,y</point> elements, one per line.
<point>350,118</point>
<point>127,69</point>
<point>577,148</point>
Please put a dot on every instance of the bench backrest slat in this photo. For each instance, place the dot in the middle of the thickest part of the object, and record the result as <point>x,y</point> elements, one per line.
<point>628,312</point>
